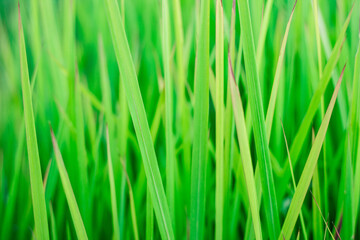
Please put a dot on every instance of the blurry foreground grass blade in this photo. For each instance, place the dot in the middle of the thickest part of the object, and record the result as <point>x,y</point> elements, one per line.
<point>74,209</point>
<point>170,151</point>
<point>138,115</point>
<point>219,102</point>
<point>308,170</point>
<point>201,116</point>
<point>112,189</point>
<point>258,119</point>
<point>37,190</point>
<point>245,154</point>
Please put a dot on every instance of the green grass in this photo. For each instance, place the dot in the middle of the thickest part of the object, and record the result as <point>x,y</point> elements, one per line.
<point>37,190</point>
<point>168,119</point>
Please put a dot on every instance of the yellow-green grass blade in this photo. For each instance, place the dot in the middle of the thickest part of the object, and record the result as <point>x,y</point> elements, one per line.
<point>10,204</point>
<point>275,87</point>
<point>263,30</point>
<point>183,114</point>
<point>308,170</point>
<point>37,190</point>
<point>219,191</point>
<point>315,101</point>
<point>258,119</point>
<point>245,153</point>
<point>112,188</point>
<point>70,197</point>
<point>294,182</point>
<point>201,116</point>
<point>138,115</point>
<point>170,151</point>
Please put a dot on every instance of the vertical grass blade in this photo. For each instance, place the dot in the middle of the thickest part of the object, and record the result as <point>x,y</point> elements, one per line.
<point>356,125</point>
<point>112,189</point>
<point>138,115</point>
<point>170,151</point>
<point>245,153</point>
<point>70,197</point>
<point>37,190</point>
<point>219,191</point>
<point>308,170</point>
<point>201,115</point>
<point>258,119</point>
<point>132,205</point>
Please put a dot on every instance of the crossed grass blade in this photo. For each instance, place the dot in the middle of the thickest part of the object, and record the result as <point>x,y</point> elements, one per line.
<point>138,115</point>
<point>70,197</point>
<point>309,168</point>
<point>258,119</point>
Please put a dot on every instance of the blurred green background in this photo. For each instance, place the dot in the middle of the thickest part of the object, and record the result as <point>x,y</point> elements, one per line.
<point>65,37</point>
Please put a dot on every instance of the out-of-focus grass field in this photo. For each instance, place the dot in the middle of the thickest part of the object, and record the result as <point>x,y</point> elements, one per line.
<point>179,119</point>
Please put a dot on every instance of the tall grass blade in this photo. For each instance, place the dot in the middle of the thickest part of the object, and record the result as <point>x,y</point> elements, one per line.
<point>138,115</point>
<point>37,190</point>
<point>112,188</point>
<point>257,114</point>
<point>170,151</point>
<point>245,154</point>
<point>70,197</point>
<point>219,102</point>
<point>201,116</point>
<point>308,170</point>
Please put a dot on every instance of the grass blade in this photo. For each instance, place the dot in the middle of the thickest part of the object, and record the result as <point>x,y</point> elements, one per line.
<point>309,168</point>
<point>132,204</point>
<point>294,183</point>
<point>37,190</point>
<point>257,114</point>
<point>201,115</point>
<point>274,90</point>
<point>315,101</point>
<point>70,197</point>
<point>245,154</point>
<point>112,188</point>
<point>170,151</point>
<point>219,191</point>
<point>138,115</point>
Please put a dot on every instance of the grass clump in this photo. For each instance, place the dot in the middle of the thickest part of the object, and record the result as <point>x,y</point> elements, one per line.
<point>168,119</point>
